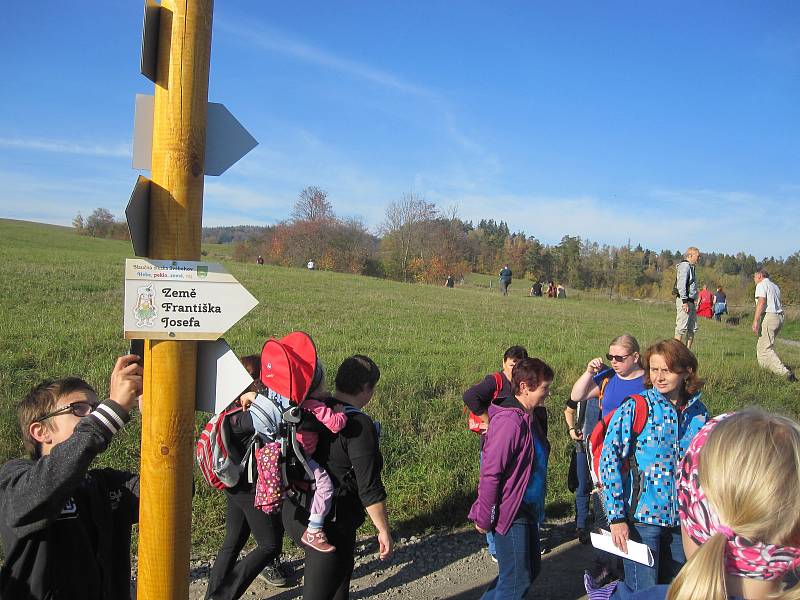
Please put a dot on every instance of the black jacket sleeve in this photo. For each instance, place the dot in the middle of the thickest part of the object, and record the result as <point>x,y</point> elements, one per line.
<point>32,493</point>
<point>366,459</point>
<point>479,396</point>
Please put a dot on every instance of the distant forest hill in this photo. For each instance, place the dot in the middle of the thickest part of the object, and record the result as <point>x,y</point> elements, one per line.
<point>229,235</point>
<point>418,242</point>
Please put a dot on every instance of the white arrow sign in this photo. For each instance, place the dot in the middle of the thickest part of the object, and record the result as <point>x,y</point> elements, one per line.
<point>181,300</point>
<point>221,378</point>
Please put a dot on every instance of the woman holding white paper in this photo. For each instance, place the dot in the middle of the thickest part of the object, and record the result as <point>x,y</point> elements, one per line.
<point>639,471</point>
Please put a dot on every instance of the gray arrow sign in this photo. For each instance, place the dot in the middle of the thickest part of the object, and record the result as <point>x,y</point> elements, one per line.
<point>226,139</point>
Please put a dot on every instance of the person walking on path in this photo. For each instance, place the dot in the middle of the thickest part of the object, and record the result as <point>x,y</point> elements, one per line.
<point>354,462</point>
<point>685,297</point>
<point>505,279</point>
<point>767,323</point>
<point>513,480</point>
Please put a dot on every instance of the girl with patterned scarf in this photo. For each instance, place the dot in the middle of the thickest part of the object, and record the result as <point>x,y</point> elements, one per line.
<point>739,505</point>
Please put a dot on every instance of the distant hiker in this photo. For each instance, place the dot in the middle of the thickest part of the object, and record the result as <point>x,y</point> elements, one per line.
<point>685,292</point>
<point>536,289</point>
<point>513,481</point>
<point>66,529</point>
<point>768,306</point>
<point>561,292</point>
<point>311,265</point>
<point>720,304</point>
<point>505,279</point>
<point>551,289</point>
<point>260,260</point>
<point>450,282</point>
<point>705,303</point>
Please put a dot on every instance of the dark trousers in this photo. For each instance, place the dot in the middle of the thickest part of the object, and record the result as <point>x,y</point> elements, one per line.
<point>230,577</point>
<point>326,576</point>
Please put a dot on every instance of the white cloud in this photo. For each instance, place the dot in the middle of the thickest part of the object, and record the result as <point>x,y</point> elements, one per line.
<point>64,147</point>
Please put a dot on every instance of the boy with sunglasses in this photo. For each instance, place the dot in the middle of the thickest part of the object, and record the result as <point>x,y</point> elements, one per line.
<point>65,529</point>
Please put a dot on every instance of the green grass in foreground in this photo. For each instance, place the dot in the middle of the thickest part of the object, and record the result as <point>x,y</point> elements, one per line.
<point>60,314</point>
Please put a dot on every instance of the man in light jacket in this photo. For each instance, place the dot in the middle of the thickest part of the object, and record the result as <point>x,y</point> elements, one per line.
<point>685,297</point>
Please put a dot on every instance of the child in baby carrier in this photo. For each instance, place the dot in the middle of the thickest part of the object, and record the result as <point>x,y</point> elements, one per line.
<point>335,420</point>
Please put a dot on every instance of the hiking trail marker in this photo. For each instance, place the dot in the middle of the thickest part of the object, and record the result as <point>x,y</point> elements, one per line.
<point>172,298</point>
<point>181,300</point>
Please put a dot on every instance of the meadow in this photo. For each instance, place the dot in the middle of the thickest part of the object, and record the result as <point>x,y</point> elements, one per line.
<point>60,314</point>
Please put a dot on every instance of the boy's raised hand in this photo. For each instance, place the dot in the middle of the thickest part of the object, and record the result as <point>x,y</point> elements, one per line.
<point>126,381</point>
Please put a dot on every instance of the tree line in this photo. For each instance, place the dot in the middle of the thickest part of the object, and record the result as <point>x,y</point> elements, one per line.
<point>419,242</point>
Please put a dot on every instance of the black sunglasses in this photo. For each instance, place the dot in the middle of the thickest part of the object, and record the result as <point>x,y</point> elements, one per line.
<point>616,357</point>
<point>79,409</point>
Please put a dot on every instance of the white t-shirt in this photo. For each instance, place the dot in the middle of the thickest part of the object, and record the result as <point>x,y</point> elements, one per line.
<point>766,289</point>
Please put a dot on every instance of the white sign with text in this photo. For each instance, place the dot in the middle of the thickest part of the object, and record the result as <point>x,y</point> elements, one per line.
<point>181,300</point>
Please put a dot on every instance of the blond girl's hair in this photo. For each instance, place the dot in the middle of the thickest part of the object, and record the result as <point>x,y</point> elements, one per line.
<point>749,469</point>
<point>630,343</point>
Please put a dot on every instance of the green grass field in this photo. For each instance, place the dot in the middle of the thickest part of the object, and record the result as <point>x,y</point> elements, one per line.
<point>60,314</point>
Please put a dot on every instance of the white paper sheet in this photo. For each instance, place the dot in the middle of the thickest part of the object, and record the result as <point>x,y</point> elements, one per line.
<point>636,551</point>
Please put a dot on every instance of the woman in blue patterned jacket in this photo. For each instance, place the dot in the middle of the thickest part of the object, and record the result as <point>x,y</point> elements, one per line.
<point>642,501</point>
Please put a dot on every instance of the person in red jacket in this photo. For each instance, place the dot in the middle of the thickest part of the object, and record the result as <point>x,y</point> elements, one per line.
<point>705,303</point>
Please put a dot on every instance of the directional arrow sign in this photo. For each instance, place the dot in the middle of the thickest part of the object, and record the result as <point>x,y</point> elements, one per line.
<point>137,213</point>
<point>221,378</point>
<point>181,300</point>
<point>226,139</point>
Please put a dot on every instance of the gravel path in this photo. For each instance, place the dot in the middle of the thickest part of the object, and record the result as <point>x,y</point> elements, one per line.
<point>443,565</point>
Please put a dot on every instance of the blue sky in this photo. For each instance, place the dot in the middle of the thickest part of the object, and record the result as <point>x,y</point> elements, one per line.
<point>668,124</point>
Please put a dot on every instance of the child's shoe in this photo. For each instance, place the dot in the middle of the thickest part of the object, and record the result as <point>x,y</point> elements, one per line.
<point>317,540</point>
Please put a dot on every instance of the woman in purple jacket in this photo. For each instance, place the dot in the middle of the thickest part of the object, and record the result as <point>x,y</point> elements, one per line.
<point>512,483</point>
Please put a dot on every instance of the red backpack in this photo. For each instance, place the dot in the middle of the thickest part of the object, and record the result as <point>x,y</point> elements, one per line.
<point>594,446</point>
<point>220,467</point>
<point>474,422</point>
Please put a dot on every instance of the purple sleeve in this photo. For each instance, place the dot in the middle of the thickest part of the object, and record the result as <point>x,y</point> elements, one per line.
<point>498,451</point>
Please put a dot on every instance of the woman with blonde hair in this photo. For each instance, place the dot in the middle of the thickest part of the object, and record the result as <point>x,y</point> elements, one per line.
<point>739,505</point>
<point>596,393</point>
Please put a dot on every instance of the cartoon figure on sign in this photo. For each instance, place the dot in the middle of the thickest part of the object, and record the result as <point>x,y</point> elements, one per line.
<point>145,309</point>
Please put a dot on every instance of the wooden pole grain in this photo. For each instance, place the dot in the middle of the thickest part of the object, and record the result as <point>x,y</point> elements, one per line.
<point>176,204</point>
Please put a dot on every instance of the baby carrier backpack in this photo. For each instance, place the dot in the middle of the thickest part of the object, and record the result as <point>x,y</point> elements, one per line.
<point>288,367</point>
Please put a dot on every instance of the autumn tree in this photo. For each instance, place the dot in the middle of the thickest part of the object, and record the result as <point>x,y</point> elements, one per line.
<point>404,230</point>
<point>312,206</point>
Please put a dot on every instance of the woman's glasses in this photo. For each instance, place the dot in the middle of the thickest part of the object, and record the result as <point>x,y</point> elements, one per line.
<point>616,357</point>
<point>79,409</point>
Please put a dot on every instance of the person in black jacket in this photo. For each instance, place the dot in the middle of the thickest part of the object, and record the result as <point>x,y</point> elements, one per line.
<point>353,460</point>
<point>230,577</point>
<point>65,529</point>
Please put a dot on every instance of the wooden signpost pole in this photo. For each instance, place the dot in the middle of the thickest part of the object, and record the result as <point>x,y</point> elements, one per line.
<point>176,203</point>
